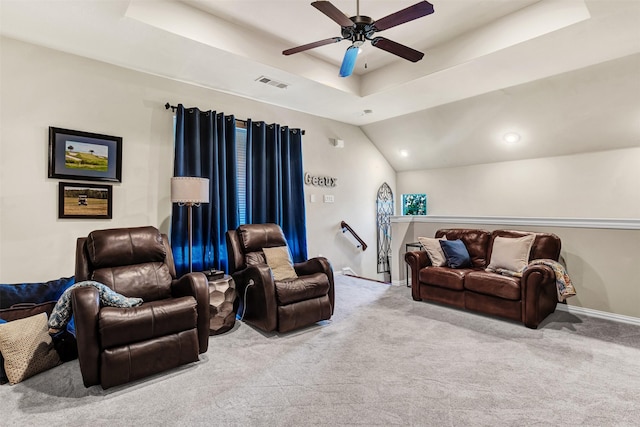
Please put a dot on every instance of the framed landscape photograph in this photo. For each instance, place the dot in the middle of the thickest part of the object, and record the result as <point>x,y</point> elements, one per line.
<point>91,201</point>
<point>82,155</point>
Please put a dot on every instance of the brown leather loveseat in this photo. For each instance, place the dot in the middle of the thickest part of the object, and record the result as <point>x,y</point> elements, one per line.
<point>529,299</point>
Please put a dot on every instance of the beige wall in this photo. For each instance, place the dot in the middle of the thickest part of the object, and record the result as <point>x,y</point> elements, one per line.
<point>603,184</point>
<point>42,88</point>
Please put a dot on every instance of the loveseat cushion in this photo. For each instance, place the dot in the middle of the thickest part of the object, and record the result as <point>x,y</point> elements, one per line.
<point>444,277</point>
<point>302,288</point>
<point>493,284</point>
<point>120,326</point>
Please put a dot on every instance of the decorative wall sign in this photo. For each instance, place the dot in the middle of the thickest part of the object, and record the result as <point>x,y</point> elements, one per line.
<point>82,155</point>
<point>414,204</point>
<point>91,201</point>
<point>320,181</point>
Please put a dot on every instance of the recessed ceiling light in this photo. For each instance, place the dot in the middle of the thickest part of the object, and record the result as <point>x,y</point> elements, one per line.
<point>404,153</point>
<point>511,137</point>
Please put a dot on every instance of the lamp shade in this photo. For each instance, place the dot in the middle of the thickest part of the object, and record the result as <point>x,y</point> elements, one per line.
<point>187,189</point>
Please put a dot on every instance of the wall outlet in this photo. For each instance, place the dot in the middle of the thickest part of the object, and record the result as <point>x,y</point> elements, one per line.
<point>328,198</point>
<point>312,198</point>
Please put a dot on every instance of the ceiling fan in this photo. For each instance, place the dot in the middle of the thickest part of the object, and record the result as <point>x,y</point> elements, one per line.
<point>359,28</point>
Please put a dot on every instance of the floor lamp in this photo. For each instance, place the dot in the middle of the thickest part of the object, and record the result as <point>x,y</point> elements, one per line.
<point>189,191</point>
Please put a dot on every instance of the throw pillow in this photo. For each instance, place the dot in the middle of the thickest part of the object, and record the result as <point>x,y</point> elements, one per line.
<point>511,253</point>
<point>279,261</point>
<point>27,348</point>
<point>432,246</point>
<point>456,253</point>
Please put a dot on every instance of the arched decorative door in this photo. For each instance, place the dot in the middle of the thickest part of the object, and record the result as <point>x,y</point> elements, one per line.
<point>384,210</point>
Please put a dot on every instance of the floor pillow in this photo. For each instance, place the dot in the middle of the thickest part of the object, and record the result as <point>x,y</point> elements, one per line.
<point>27,347</point>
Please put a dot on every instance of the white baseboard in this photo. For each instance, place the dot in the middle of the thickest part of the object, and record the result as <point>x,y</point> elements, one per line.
<point>599,314</point>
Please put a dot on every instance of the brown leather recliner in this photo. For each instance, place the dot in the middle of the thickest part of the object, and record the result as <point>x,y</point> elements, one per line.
<point>273,305</point>
<point>169,329</point>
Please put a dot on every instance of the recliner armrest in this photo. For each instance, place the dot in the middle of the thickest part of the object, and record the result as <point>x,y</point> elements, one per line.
<point>85,303</point>
<point>197,286</point>
<point>260,298</point>
<point>314,265</point>
<point>318,265</point>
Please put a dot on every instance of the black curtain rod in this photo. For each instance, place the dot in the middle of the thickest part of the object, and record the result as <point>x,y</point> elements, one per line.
<point>174,107</point>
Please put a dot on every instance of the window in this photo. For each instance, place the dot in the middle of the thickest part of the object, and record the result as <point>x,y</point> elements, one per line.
<point>241,174</point>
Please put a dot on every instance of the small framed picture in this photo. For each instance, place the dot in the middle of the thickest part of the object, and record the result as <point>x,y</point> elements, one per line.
<point>414,204</point>
<point>82,155</point>
<point>90,201</point>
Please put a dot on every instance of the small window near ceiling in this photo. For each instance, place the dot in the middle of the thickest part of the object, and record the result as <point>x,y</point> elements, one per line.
<point>241,159</point>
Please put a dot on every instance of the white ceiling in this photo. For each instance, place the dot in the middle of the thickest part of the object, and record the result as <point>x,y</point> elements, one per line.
<point>490,66</point>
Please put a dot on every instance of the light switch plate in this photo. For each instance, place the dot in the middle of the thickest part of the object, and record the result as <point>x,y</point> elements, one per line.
<point>328,198</point>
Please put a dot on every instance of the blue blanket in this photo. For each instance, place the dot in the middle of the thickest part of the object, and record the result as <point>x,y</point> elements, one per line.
<point>62,312</point>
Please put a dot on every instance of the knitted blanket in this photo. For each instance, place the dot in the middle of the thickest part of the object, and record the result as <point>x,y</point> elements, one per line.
<point>62,312</point>
<point>563,281</point>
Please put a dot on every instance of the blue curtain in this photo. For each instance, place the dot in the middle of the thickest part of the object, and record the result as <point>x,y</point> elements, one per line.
<point>275,182</point>
<point>205,147</point>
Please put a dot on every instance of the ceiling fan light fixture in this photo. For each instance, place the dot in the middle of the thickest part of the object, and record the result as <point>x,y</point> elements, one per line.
<point>349,61</point>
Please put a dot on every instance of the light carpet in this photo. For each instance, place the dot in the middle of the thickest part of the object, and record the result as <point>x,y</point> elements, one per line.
<point>383,359</point>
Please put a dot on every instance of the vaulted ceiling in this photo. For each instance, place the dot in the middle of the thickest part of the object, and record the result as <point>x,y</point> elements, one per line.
<point>563,74</point>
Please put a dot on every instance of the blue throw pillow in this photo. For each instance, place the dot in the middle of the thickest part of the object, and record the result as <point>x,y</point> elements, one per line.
<point>35,293</point>
<point>456,253</point>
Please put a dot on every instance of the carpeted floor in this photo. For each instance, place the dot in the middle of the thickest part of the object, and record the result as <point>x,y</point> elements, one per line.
<point>383,359</point>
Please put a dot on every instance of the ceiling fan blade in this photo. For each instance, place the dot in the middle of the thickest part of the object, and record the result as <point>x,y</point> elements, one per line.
<point>397,49</point>
<point>349,61</point>
<point>311,45</point>
<point>333,12</point>
<point>416,11</point>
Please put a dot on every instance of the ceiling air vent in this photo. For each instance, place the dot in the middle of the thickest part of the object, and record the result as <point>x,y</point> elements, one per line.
<point>271,82</point>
